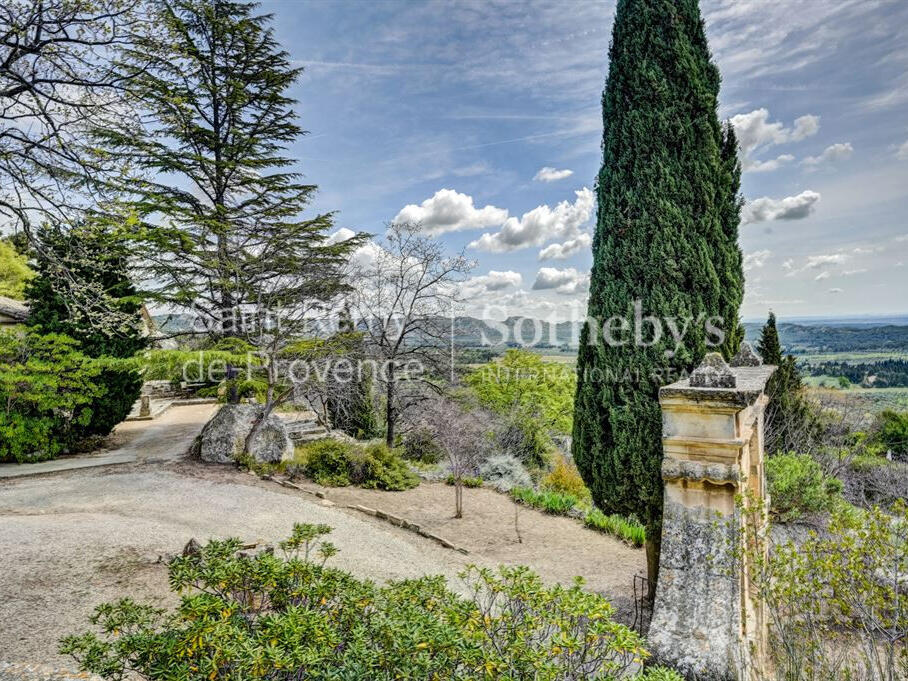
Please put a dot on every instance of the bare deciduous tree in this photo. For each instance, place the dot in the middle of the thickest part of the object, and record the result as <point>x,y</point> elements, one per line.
<point>57,82</point>
<point>404,304</point>
<point>464,438</point>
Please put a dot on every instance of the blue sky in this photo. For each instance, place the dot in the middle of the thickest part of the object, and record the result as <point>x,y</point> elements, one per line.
<point>469,115</point>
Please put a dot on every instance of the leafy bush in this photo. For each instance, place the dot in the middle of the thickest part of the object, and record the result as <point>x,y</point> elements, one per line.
<point>467,481</point>
<point>504,472</point>
<point>379,467</point>
<point>292,617</point>
<point>233,345</point>
<point>524,436</point>
<point>837,607</point>
<point>199,366</point>
<point>535,398</point>
<point>14,272</point>
<point>522,379</point>
<point>618,526</point>
<point>420,445</point>
<point>46,389</point>
<point>798,486</point>
<point>892,433</point>
<point>553,503</point>
<point>334,463</point>
<point>564,477</point>
<point>327,462</point>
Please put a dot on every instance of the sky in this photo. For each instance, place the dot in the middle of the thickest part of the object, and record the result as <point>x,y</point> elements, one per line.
<point>482,120</point>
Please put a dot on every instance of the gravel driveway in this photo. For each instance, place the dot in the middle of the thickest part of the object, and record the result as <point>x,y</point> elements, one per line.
<point>75,539</point>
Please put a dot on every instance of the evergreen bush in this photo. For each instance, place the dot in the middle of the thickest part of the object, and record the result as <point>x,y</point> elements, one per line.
<point>798,486</point>
<point>292,617</point>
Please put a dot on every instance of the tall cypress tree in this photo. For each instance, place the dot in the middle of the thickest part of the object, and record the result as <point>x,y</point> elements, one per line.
<point>666,236</point>
<point>791,424</point>
<point>768,346</point>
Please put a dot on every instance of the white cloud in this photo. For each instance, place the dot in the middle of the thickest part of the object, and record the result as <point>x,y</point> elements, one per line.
<point>364,255</point>
<point>902,153</point>
<point>755,166</point>
<point>567,281</point>
<point>814,261</point>
<point>540,225</point>
<point>567,249</point>
<point>755,131</point>
<point>849,273</point>
<point>451,211</point>
<point>822,275</point>
<point>549,174</point>
<point>902,237</point>
<point>756,259</point>
<point>834,152</point>
<point>789,208</point>
<point>494,281</point>
<point>835,290</point>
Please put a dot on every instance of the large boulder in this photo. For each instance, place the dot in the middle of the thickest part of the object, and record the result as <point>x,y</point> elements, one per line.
<point>223,438</point>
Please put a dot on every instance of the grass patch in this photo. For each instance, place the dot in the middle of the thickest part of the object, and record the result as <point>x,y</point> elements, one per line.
<point>466,481</point>
<point>553,503</point>
<point>629,531</point>
<point>560,503</point>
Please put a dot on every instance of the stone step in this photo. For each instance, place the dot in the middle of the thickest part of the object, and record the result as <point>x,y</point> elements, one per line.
<point>309,436</point>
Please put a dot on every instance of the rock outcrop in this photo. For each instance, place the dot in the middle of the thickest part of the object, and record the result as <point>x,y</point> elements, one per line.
<point>224,437</point>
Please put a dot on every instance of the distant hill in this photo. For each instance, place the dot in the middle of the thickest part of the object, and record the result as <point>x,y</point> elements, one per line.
<point>808,336</point>
<point>813,338</point>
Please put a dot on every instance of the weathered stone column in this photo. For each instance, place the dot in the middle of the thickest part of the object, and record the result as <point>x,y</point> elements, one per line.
<point>705,621</point>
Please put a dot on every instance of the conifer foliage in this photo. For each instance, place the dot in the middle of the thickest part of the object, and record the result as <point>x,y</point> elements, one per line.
<point>83,290</point>
<point>666,236</point>
<point>211,83</point>
<point>790,423</point>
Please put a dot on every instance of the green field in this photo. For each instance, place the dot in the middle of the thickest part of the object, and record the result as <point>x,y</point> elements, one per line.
<point>851,357</point>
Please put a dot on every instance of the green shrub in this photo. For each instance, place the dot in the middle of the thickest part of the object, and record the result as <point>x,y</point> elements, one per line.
<point>466,481</point>
<point>798,486</point>
<point>233,345</point>
<point>553,503</point>
<point>382,468</point>
<point>46,389</point>
<point>618,526</point>
<point>836,602</point>
<point>119,386</point>
<point>327,462</point>
<point>892,433</point>
<point>419,445</point>
<point>334,463</point>
<point>291,617</point>
<point>198,366</point>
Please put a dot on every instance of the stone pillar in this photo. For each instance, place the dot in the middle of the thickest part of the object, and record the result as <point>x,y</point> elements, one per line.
<point>145,406</point>
<point>705,621</point>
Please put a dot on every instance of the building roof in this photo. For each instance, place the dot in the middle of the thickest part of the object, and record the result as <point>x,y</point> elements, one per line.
<point>14,309</point>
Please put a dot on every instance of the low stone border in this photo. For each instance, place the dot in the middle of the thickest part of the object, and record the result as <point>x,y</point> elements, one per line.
<point>397,521</point>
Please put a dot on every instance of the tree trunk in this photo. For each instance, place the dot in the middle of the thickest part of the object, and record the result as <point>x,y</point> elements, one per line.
<point>653,551</point>
<point>390,416</point>
<point>458,498</point>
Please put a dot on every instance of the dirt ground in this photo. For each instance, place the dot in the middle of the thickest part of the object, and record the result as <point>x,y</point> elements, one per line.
<point>557,548</point>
